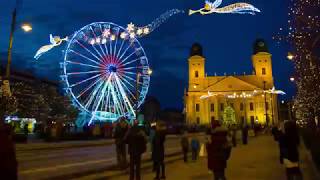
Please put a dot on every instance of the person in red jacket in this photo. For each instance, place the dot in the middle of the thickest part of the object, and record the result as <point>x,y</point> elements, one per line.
<point>218,151</point>
<point>8,162</point>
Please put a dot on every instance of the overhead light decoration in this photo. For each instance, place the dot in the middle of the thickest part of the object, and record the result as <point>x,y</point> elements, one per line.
<point>237,8</point>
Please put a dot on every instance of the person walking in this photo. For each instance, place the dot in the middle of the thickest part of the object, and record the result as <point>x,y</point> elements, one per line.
<point>158,151</point>
<point>195,148</point>
<point>185,146</point>
<point>291,142</point>
<point>119,135</point>
<point>234,135</point>
<point>152,133</point>
<point>218,152</point>
<point>137,142</point>
<point>8,162</point>
<point>245,130</point>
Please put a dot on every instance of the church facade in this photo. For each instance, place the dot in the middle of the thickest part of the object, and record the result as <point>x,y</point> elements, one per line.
<point>232,99</point>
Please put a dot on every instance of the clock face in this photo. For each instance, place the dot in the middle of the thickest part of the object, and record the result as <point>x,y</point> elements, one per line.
<point>261,44</point>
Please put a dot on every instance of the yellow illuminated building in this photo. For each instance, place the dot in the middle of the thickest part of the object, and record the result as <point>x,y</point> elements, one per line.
<point>248,98</point>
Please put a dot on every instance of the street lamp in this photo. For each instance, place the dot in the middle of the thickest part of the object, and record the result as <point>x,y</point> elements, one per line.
<point>290,56</point>
<point>292,79</point>
<point>26,27</point>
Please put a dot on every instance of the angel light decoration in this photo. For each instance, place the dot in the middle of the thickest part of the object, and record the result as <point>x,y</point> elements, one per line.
<point>54,41</point>
<point>237,8</point>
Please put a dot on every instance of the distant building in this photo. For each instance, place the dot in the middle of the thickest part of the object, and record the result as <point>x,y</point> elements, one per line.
<point>240,99</point>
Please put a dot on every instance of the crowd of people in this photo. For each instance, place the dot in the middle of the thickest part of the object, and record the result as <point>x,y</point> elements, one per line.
<point>132,138</point>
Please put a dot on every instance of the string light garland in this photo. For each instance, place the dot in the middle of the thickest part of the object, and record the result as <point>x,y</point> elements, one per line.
<point>302,33</point>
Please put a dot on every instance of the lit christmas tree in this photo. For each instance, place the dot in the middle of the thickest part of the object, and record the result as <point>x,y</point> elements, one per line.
<point>303,34</point>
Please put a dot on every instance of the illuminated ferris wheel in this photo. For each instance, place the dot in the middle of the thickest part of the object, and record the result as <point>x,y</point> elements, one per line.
<point>106,71</point>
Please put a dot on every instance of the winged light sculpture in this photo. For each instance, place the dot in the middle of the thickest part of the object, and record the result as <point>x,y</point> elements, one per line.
<point>237,8</point>
<point>54,41</point>
<point>207,95</point>
<point>274,91</point>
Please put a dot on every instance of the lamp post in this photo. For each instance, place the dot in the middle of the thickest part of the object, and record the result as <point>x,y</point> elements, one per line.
<point>27,28</point>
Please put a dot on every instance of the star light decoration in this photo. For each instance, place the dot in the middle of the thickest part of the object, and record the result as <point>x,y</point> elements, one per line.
<point>137,31</point>
<point>302,33</point>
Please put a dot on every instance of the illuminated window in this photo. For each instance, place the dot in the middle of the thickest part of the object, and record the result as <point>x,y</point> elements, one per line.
<point>197,107</point>
<point>263,71</point>
<point>212,107</point>
<point>196,74</point>
<point>251,106</point>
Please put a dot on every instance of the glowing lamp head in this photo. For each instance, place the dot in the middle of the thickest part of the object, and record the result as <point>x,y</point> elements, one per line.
<point>292,79</point>
<point>195,86</point>
<point>26,27</point>
<point>290,56</point>
<point>150,71</point>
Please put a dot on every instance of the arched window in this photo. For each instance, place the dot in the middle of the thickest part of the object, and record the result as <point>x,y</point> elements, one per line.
<point>196,74</point>
<point>264,71</point>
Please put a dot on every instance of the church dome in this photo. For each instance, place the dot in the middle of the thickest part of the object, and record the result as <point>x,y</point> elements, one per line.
<point>196,50</point>
<point>260,45</point>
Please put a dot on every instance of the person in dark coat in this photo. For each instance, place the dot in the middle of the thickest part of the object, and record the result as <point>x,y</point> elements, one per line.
<point>137,145</point>
<point>218,151</point>
<point>234,135</point>
<point>195,148</point>
<point>119,135</point>
<point>158,151</point>
<point>185,146</point>
<point>291,142</point>
<point>8,162</point>
<point>245,130</point>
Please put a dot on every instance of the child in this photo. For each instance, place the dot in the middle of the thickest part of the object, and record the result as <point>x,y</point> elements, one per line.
<point>195,147</point>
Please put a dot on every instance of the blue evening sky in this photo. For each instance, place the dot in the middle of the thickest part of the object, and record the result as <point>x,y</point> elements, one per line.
<point>226,38</point>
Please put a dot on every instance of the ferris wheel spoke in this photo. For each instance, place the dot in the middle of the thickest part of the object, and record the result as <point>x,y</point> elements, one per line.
<point>93,94</point>
<point>128,90</point>
<point>100,97</point>
<point>122,42</point>
<point>89,87</point>
<point>86,72</point>
<point>83,56</point>
<point>101,94</point>
<point>125,51</point>
<point>134,52</point>
<point>128,68</point>
<point>128,77</point>
<point>130,62</point>
<point>88,50</point>
<point>115,100</point>
<point>124,95</point>
<point>82,64</point>
<point>85,80</point>
<point>119,98</point>
<point>128,72</point>
<point>115,45</point>
<point>99,43</point>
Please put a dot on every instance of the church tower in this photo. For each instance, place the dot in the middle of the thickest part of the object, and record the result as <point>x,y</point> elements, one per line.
<point>196,68</point>
<point>262,64</point>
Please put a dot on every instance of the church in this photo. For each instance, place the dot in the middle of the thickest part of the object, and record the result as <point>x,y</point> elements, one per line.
<point>232,99</point>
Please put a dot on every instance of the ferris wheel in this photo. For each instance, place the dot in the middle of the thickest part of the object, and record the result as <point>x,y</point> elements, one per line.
<point>105,71</point>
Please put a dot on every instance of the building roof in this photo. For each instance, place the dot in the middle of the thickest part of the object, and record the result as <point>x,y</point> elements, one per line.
<point>231,83</point>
